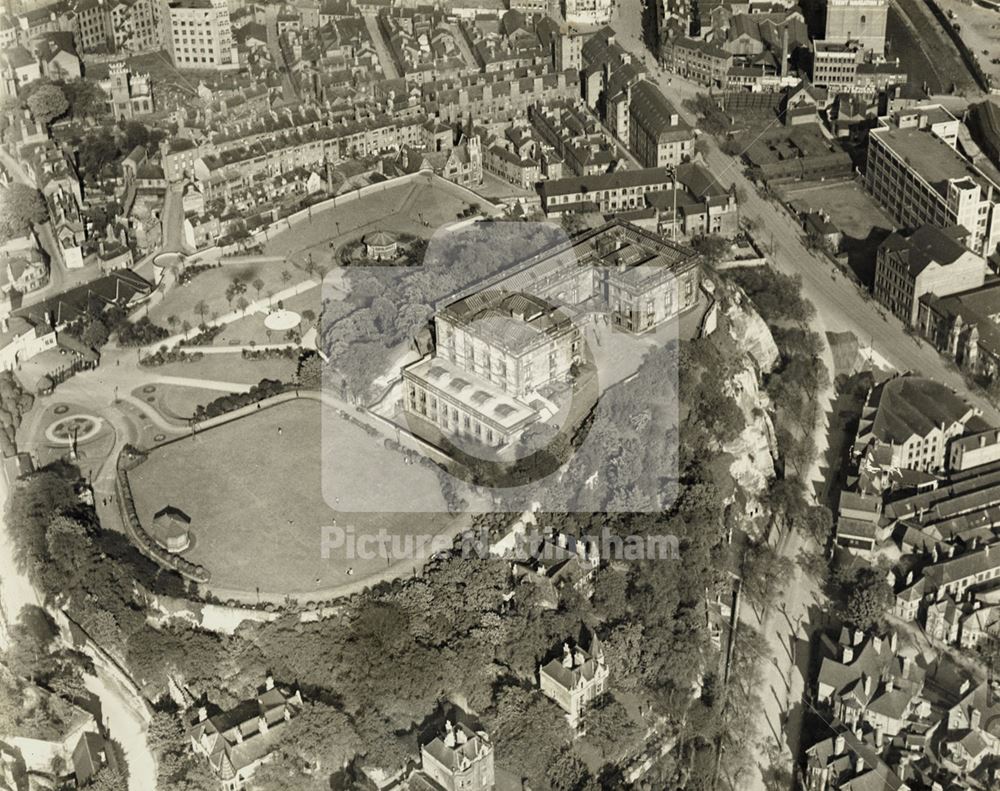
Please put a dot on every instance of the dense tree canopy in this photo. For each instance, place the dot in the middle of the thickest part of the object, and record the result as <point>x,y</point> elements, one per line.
<point>21,208</point>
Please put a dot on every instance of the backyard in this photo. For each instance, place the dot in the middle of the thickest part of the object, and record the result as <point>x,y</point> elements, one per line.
<point>252,529</point>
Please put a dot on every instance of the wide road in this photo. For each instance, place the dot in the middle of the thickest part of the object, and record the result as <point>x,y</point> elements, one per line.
<point>839,302</point>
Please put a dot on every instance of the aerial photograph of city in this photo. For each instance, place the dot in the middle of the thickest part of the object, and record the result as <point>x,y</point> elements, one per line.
<point>500,395</point>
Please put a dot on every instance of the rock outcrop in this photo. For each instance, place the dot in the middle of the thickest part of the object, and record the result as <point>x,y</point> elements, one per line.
<point>754,450</point>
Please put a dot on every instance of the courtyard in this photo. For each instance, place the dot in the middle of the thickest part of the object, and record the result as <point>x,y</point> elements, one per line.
<point>255,498</point>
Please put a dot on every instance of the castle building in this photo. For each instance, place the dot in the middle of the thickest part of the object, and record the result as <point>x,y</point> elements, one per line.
<point>576,679</point>
<point>498,345</point>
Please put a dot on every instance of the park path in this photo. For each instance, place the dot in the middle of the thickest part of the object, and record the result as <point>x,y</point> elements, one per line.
<point>262,305</point>
<point>204,384</point>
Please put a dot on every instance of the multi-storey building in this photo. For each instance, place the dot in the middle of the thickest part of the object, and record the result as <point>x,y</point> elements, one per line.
<point>906,424</point>
<point>136,25</point>
<point>198,35</point>
<point>862,22</point>
<point>607,193</point>
<point>92,25</point>
<point>657,134</point>
<point>930,260</point>
<point>702,61</point>
<point>500,95</point>
<point>835,65</point>
<point>916,173</point>
<point>565,50</point>
<point>966,327</point>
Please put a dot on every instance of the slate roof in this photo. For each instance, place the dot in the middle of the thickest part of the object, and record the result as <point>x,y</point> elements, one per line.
<point>913,405</point>
<point>926,245</point>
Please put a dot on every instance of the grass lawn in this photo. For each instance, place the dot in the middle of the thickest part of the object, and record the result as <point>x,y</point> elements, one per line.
<point>175,402</point>
<point>229,368</point>
<point>256,501</point>
<point>211,285</point>
<point>401,208</point>
<point>251,328</point>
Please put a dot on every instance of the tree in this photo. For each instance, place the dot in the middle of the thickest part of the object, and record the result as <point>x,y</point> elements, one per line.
<point>97,152</point>
<point>567,772</point>
<point>95,334</point>
<point>258,286</point>
<point>136,134</point>
<point>611,727</point>
<point>765,572</point>
<point>108,779</point>
<point>869,598</point>
<point>166,731</point>
<point>201,308</point>
<point>47,103</point>
<point>712,247</point>
<point>85,98</point>
<point>286,276</point>
<point>21,207</point>
<point>242,304</point>
<point>817,522</point>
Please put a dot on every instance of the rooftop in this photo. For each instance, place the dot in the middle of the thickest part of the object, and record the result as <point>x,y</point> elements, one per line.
<point>910,406</point>
<point>931,157</point>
